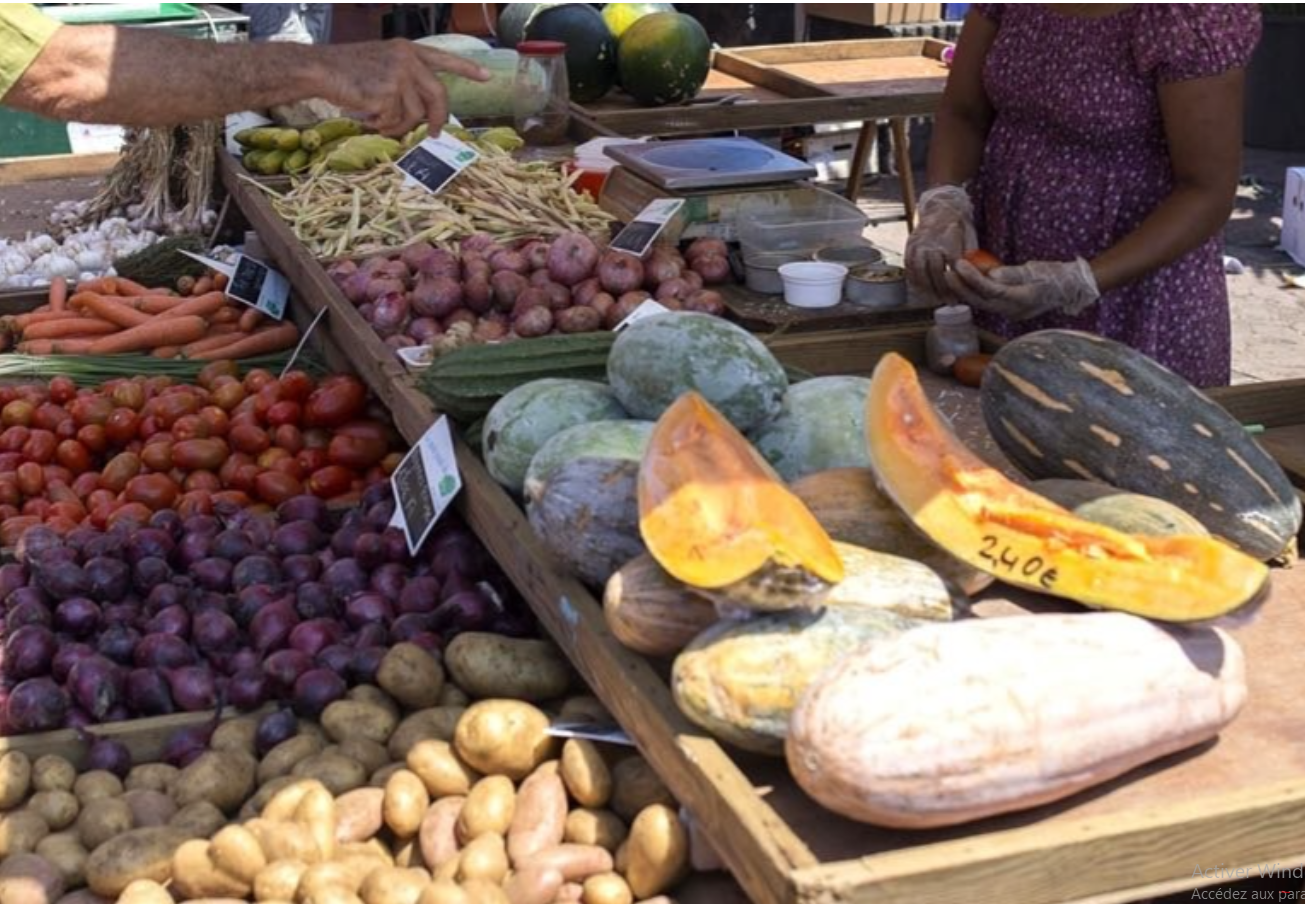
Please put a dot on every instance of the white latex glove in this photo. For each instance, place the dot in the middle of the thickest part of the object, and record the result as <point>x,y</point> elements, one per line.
<point>944,231</point>
<point>1023,292</point>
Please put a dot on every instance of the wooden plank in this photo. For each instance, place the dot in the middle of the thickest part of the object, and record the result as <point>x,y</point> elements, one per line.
<point>1276,404</point>
<point>858,49</point>
<point>19,170</point>
<point>765,75</point>
<point>1287,446</point>
<point>769,312</point>
<point>853,352</point>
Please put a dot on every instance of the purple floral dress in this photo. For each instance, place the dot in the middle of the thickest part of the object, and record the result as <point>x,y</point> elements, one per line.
<point>1076,159</point>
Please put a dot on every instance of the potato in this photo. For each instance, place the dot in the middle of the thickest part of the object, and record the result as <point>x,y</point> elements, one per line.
<point>658,851</point>
<point>437,764</point>
<point>49,773</point>
<point>539,819</point>
<point>394,885</point>
<point>444,891</point>
<point>145,891</point>
<point>437,723</point>
<point>236,734</point>
<point>378,848</point>
<point>200,819</point>
<point>584,708</point>
<point>621,859</point>
<point>452,695</point>
<point>490,665</point>
<point>359,815</point>
<point>102,819</point>
<point>282,759</point>
<point>585,773</point>
<point>152,777</point>
<point>21,831</point>
<point>235,851</point>
<point>635,786</point>
<point>15,779</point>
<point>347,873</point>
<point>481,892</point>
<point>67,855</point>
<point>331,894</point>
<point>83,896</point>
<point>408,853</point>
<point>599,827</point>
<point>195,875</point>
<point>576,862</point>
<point>282,805</point>
<point>138,854</point>
<point>346,719</point>
<point>266,791</point>
<point>223,778</point>
<point>28,879</point>
<point>607,888</point>
<point>149,808</point>
<point>278,881</point>
<point>405,803</point>
<point>338,773</point>
<point>533,885</point>
<point>370,754</point>
<point>488,808</point>
<point>504,737</point>
<point>438,833</point>
<point>382,775</point>
<point>411,676</point>
<point>316,812</point>
<point>484,858</point>
<point>95,785</point>
<point>370,693</point>
<point>285,841</point>
<point>579,319</point>
<point>57,808</point>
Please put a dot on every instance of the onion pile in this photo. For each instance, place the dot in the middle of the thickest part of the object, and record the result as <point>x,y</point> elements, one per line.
<point>181,615</point>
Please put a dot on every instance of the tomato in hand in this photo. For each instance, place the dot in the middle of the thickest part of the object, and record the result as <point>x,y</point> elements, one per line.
<point>983,261</point>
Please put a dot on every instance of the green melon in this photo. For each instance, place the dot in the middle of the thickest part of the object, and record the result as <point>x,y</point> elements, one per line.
<point>602,440</point>
<point>820,427</point>
<point>658,359</point>
<point>590,48</point>
<point>664,59</point>
<point>588,517</point>
<point>527,417</point>
<point>620,16</point>
<point>512,22</point>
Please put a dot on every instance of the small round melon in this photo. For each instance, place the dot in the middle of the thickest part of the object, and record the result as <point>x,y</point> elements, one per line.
<point>602,440</point>
<point>820,427</point>
<point>527,417</point>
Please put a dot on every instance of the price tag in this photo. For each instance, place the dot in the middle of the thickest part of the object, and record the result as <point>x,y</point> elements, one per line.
<point>256,284</point>
<point>92,138</point>
<point>637,237</point>
<point>435,162</point>
<point>602,732</point>
<point>648,309</point>
<point>424,484</point>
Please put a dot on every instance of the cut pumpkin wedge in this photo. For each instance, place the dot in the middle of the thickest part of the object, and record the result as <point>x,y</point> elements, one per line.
<point>980,516</point>
<point>714,514</point>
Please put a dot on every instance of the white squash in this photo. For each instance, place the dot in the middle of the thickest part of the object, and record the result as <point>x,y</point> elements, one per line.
<point>955,722</point>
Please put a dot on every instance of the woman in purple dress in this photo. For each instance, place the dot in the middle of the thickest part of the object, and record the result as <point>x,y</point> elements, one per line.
<point>1095,149</point>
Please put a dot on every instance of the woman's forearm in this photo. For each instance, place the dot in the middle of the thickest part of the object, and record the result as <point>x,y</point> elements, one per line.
<point>1183,221</point>
<point>955,149</point>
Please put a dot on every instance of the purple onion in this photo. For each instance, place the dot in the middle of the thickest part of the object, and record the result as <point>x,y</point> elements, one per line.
<point>163,651</point>
<point>283,669</point>
<point>118,642</point>
<point>213,574</point>
<point>215,632</point>
<point>428,641</point>
<point>256,570</point>
<point>148,693</point>
<point>248,689</point>
<point>343,541</point>
<point>299,570</point>
<point>366,663</point>
<point>369,551</point>
<point>168,521</point>
<point>205,525</point>
<point>108,546</point>
<point>63,580</point>
<point>367,608</point>
<point>123,613</point>
<point>337,657</point>
<point>149,572</point>
<point>273,729</point>
<point>298,538</point>
<point>389,580</point>
<point>345,578</point>
<point>315,690</point>
<point>149,543</point>
<point>12,576</point>
<point>378,516</point>
<point>66,657</point>
<point>37,704</point>
<point>396,545</point>
<point>26,594</point>
<point>420,595</point>
<point>305,508</point>
<point>185,745</point>
<point>29,652</point>
<point>78,617</point>
<point>251,601</point>
<point>315,635</point>
<point>36,540</point>
<point>109,755</point>
<point>192,688</point>
<point>271,627</point>
<point>96,685</point>
<point>163,596</point>
<point>174,620</point>
<point>109,579</point>
<point>233,546</point>
<point>192,549</point>
<point>406,627</point>
<point>373,635</point>
<point>28,612</point>
<point>314,600</point>
<point>470,611</point>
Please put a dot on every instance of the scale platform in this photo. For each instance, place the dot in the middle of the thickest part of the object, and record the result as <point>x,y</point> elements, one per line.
<point>709,163</point>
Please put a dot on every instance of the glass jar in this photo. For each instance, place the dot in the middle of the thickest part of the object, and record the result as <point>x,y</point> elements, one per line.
<point>952,336</point>
<point>542,100</point>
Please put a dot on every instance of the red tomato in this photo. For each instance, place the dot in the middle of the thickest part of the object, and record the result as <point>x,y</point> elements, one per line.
<point>122,468</point>
<point>49,417</point>
<point>312,459</point>
<point>284,413</point>
<point>248,438</point>
<point>40,447</point>
<point>199,454</point>
<point>275,488</point>
<point>266,398</point>
<point>14,438</point>
<point>62,390</point>
<point>196,502</point>
<point>296,386</point>
<point>288,437</point>
<point>190,426</point>
<point>983,261</point>
<point>157,456</point>
<point>67,429</point>
<point>243,478</point>
<point>129,394</point>
<point>215,370</point>
<point>31,478</point>
<point>72,511</point>
<point>290,466</point>
<point>17,412</point>
<point>227,397</point>
<point>271,457</point>
<point>90,410</point>
<point>330,481</point>
<point>256,379</point>
<point>122,427</point>
<point>37,507</point>
<point>228,469</point>
<point>216,420</point>
<point>202,480</point>
<point>368,429</point>
<point>101,498</point>
<point>237,498</point>
<point>356,452</point>
<point>56,474</point>
<point>73,456</point>
<point>12,529</point>
<point>317,438</point>
<point>131,511</point>
<point>7,512</point>
<point>336,401</point>
<point>155,491</point>
<point>85,484</point>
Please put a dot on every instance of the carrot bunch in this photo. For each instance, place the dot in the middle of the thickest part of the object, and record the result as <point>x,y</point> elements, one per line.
<point>112,315</point>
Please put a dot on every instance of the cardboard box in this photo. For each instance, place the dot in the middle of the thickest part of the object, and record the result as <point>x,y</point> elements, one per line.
<point>875,13</point>
<point>1293,215</point>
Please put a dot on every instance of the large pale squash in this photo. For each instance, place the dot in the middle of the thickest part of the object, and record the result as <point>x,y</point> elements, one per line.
<point>716,516</point>
<point>950,723</point>
<point>1132,513</point>
<point>588,516</point>
<point>980,516</point>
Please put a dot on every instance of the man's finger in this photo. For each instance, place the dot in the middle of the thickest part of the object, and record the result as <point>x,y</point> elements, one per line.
<point>440,61</point>
<point>434,99</point>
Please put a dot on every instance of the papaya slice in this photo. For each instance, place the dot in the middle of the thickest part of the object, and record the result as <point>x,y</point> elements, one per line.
<point>978,515</point>
<point>716,516</point>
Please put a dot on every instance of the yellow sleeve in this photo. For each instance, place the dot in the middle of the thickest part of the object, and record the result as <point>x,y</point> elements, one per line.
<point>24,30</point>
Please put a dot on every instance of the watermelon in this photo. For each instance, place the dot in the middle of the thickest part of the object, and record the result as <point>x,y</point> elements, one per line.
<point>620,16</point>
<point>590,48</point>
<point>512,22</point>
<point>820,427</point>
<point>658,359</point>
<point>664,59</point>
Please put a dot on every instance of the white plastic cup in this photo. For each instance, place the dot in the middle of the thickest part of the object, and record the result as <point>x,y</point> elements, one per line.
<point>813,284</point>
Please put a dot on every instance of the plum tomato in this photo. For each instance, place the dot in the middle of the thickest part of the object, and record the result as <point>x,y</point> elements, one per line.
<point>330,481</point>
<point>356,452</point>
<point>155,491</point>
<point>274,487</point>
<point>248,438</point>
<point>335,402</point>
<point>73,456</point>
<point>62,390</point>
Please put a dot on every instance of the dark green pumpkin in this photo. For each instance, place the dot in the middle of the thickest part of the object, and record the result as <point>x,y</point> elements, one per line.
<point>1074,405</point>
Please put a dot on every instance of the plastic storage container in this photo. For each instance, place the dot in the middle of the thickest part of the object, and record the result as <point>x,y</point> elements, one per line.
<point>806,222</point>
<point>811,284</point>
<point>542,98</point>
<point>952,336</point>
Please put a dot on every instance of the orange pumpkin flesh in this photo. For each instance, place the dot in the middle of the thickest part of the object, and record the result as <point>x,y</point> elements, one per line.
<point>978,515</point>
<point>713,513</point>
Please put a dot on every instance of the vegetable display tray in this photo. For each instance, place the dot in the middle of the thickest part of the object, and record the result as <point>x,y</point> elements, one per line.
<point>1237,801</point>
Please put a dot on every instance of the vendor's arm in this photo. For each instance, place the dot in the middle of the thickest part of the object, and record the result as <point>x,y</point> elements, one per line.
<point>1203,124</point>
<point>961,124</point>
<point>134,77</point>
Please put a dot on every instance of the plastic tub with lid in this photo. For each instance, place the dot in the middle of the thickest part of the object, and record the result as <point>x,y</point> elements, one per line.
<point>802,221</point>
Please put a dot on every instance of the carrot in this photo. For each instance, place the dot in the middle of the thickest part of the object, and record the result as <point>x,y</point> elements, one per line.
<point>157,304</point>
<point>109,309</point>
<point>225,329</point>
<point>129,287</point>
<point>56,346</point>
<point>211,342</point>
<point>264,342</point>
<point>202,286</point>
<point>200,305</point>
<point>58,293</point>
<point>104,285</point>
<point>250,320</point>
<point>152,334</point>
<point>225,314</point>
<point>70,326</point>
<point>19,322</point>
<point>220,281</point>
<point>165,351</point>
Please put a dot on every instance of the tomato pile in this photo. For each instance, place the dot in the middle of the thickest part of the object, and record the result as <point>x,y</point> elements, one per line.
<point>135,446</point>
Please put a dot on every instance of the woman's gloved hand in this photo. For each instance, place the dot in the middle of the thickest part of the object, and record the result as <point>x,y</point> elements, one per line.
<point>1023,292</point>
<point>944,231</point>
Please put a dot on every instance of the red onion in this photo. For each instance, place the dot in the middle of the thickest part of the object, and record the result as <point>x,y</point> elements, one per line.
<point>367,608</point>
<point>96,685</point>
<point>148,693</point>
<point>299,570</point>
<point>259,529</point>
<point>251,601</point>
<point>369,551</point>
<point>469,611</point>
<point>148,573</point>
<point>185,745</point>
<point>373,635</point>
<point>215,632</point>
<point>255,570</point>
<point>377,492</point>
<point>37,704</point>
<point>168,521</point>
<point>305,508</point>
<point>12,576</point>
<point>213,574</point>
<point>298,538</point>
<point>315,635</point>
<point>314,600</point>
<point>396,545</point>
<point>192,688</point>
<point>284,667</point>
<point>149,543</point>
<point>106,545</point>
<point>27,594</point>
<point>66,657</point>
<point>205,525</point>
<point>108,579</point>
<point>366,662</point>
<point>345,578</point>
<point>163,596</point>
<point>389,581</point>
<point>193,548</point>
<point>104,753</point>
<point>378,516</point>
<point>273,729</point>
<point>337,657</point>
<point>174,620</point>
<point>315,690</point>
<point>31,612</point>
<point>420,595</point>
<point>408,626</point>
<point>29,652</point>
<point>247,689</point>
<point>233,546</point>
<point>428,641</point>
<point>124,614</point>
<point>63,581</point>
<point>271,627</point>
<point>163,651</point>
<point>343,541</point>
<point>36,540</point>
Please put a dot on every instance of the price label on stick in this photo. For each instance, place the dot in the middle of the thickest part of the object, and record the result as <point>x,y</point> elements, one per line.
<point>435,162</point>
<point>424,484</point>
<point>602,732</point>
<point>251,282</point>
<point>637,237</point>
<point>647,309</point>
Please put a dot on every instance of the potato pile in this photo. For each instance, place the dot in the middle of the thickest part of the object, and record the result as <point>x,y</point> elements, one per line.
<point>406,793</point>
